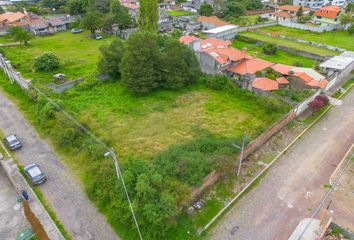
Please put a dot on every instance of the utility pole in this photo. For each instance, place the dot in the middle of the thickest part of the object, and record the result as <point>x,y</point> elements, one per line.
<point>241,158</point>
<point>120,177</point>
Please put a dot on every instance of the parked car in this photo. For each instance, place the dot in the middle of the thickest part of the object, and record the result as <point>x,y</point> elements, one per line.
<point>76,30</point>
<point>97,36</point>
<point>35,174</point>
<point>12,142</point>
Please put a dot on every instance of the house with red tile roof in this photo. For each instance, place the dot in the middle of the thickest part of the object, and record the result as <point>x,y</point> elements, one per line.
<point>328,15</point>
<point>287,12</point>
<point>211,22</point>
<point>13,19</point>
<point>264,84</point>
<point>249,65</point>
<point>188,39</point>
<point>282,82</point>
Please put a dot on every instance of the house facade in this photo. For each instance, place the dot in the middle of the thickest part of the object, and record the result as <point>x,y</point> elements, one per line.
<point>328,15</point>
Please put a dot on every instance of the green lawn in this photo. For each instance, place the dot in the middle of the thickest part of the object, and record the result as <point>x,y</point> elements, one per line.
<point>340,39</point>
<point>77,52</point>
<point>290,44</point>
<point>279,57</point>
<point>178,13</point>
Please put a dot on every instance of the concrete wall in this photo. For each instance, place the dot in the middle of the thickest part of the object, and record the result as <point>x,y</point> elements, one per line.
<point>308,27</point>
<point>225,35</point>
<point>246,28</point>
<point>208,64</point>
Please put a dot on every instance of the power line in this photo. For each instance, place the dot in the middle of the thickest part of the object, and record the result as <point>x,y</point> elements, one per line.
<point>327,195</point>
<point>110,150</point>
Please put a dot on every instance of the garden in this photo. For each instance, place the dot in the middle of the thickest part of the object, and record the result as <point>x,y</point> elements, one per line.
<point>167,141</point>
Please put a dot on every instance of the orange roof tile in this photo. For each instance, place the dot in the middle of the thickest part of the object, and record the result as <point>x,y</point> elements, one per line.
<point>292,8</point>
<point>223,55</point>
<point>265,84</point>
<point>317,83</point>
<point>328,11</point>
<point>250,65</point>
<point>214,20</point>
<point>213,42</point>
<point>188,39</point>
<point>282,68</point>
<point>282,14</point>
<point>12,17</point>
<point>282,80</point>
<point>303,76</point>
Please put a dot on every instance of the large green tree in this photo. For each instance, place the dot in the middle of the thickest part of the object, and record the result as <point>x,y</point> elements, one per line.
<point>111,57</point>
<point>141,64</point>
<point>21,35</point>
<point>233,9</point>
<point>92,21</point>
<point>77,7</point>
<point>120,15</point>
<point>206,10</point>
<point>148,15</point>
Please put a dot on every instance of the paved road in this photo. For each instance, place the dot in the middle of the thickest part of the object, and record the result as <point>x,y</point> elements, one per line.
<point>295,184</point>
<point>12,219</point>
<point>62,190</point>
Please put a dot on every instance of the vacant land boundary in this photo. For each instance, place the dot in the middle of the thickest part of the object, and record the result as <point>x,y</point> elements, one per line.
<point>290,44</point>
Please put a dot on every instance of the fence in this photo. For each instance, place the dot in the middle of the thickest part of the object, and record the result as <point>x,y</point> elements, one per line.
<point>35,223</point>
<point>246,28</point>
<point>13,75</point>
<point>308,27</point>
<point>259,11</point>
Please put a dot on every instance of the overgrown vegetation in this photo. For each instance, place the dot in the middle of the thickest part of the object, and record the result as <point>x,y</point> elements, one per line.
<point>47,62</point>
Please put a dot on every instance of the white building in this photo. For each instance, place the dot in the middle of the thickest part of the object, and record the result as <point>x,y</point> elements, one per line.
<point>227,32</point>
<point>313,4</point>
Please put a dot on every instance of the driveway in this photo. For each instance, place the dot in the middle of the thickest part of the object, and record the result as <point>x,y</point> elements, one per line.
<point>12,219</point>
<point>294,185</point>
<point>62,190</point>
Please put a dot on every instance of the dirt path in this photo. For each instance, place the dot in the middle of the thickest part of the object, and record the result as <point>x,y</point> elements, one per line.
<point>295,184</point>
<point>62,190</point>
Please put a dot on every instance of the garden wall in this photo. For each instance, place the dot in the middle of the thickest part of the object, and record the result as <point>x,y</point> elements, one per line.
<point>259,11</point>
<point>308,27</point>
<point>303,53</point>
<point>246,28</point>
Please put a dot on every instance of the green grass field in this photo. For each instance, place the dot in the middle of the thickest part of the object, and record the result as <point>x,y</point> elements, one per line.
<point>77,52</point>
<point>279,57</point>
<point>340,39</point>
<point>290,44</point>
<point>179,13</point>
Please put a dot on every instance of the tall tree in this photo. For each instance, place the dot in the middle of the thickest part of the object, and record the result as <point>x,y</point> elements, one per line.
<point>111,58</point>
<point>148,15</point>
<point>140,67</point>
<point>92,21</point>
<point>300,12</point>
<point>206,10</point>
<point>233,9</point>
<point>120,14</point>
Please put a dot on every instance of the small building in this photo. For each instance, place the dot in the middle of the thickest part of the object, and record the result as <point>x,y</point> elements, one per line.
<point>282,82</point>
<point>227,32</point>
<point>187,24</point>
<point>211,22</point>
<point>263,84</point>
<point>39,27</point>
<point>55,24</point>
<point>338,64</point>
<point>287,12</point>
<point>13,19</point>
<point>328,15</point>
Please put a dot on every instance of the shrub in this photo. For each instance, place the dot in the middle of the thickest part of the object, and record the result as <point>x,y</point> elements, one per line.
<point>318,103</point>
<point>269,48</point>
<point>47,62</point>
<point>351,29</point>
<point>217,82</point>
<point>298,64</point>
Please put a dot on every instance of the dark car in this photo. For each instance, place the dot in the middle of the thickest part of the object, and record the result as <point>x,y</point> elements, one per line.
<point>96,36</point>
<point>12,142</point>
<point>35,174</point>
<point>76,30</point>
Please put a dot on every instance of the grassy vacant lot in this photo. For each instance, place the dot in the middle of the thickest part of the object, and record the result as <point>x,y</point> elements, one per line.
<point>340,39</point>
<point>135,126</point>
<point>290,44</point>
<point>78,54</point>
<point>279,57</point>
<point>178,13</point>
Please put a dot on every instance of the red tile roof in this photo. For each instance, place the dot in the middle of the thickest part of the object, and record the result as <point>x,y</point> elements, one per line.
<point>303,76</point>
<point>250,65</point>
<point>223,55</point>
<point>188,39</point>
<point>214,20</point>
<point>283,14</point>
<point>213,42</point>
<point>292,8</point>
<point>265,84</point>
<point>282,68</point>
<point>130,5</point>
<point>328,11</point>
<point>317,83</point>
<point>282,80</point>
<point>12,17</point>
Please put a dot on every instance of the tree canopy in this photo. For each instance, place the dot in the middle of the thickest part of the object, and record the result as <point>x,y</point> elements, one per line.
<point>91,21</point>
<point>111,57</point>
<point>206,10</point>
<point>19,34</point>
<point>148,16</point>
